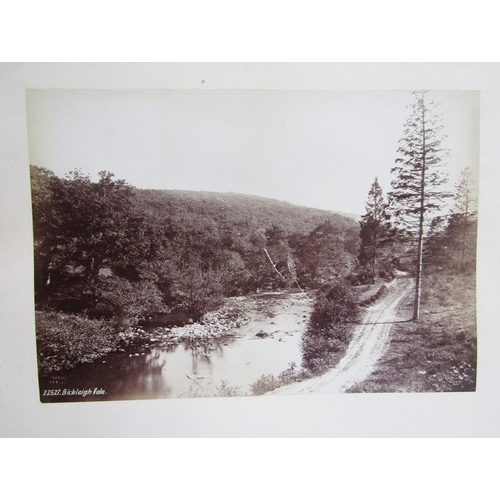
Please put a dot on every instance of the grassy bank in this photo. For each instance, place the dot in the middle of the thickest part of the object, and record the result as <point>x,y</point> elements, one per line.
<point>66,340</point>
<point>437,353</point>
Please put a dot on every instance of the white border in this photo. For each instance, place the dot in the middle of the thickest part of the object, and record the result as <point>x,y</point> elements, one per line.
<point>350,415</point>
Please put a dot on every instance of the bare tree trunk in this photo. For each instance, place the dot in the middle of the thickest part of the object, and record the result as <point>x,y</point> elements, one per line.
<point>272,263</point>
<point>418,283</point>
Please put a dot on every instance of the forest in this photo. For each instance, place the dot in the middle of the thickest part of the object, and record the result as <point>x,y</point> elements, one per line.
<point>111,251</point>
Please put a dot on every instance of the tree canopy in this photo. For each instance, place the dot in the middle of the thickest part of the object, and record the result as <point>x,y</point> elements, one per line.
<point>376,232</point>
<point>109,250</point>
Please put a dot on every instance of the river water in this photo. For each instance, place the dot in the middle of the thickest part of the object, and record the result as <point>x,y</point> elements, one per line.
<point>146,371</point>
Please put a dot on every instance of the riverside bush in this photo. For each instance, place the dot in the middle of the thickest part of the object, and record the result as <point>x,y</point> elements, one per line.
<point>64,340</point>
<point>328,332</point>
<point>224,390</point>
<point>267,383</point>
<point>127,302</point>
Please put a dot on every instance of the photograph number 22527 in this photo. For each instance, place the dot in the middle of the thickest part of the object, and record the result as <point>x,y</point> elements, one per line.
<point>239,243</point>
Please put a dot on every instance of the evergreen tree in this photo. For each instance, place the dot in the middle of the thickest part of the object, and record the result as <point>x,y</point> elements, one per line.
<point>418,178</point>
<point>375,230</point>
<point>462,225</point>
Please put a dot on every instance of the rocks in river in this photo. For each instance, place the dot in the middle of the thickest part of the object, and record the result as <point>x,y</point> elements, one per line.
<point>262,334</point>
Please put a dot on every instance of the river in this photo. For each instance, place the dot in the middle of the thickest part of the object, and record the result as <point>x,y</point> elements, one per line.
<point>267,344</point>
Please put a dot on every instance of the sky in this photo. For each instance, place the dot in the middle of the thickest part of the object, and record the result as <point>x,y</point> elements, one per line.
<point>320,149</point>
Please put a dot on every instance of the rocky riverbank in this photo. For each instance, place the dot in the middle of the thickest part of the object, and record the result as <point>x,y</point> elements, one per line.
<point>215,325</point>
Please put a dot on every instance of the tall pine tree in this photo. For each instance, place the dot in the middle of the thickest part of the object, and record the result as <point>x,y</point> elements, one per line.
<point>375,230</point>
<point>418,178</point>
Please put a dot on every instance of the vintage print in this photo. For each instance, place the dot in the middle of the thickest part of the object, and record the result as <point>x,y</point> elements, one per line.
<point>242,243</point>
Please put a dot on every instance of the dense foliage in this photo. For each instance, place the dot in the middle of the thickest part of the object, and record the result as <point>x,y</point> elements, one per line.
<point>377,238</point>
<point>64,340</point>
<point>451,241</point>
<point>328,332</point>
<point>106,250</point>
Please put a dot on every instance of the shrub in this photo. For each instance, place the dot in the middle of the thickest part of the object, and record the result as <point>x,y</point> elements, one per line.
<point>197,305</point>
<point>328,332</point>
<point>334,304</point>
<point>265,383</point>
<point>386,275</point>
<point>361,276</point>
<point>321,349</point>
<point>127,302</point>
<point>64,340</point>
<point>224,390</point>
<point>374,297</point>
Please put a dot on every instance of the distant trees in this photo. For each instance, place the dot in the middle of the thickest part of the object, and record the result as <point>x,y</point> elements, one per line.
<point>462,226</point>
<point>324,255</point>
<point>415,224</point>
<point>376,232</point>
<point>451,240</point>
<point>418,179</point>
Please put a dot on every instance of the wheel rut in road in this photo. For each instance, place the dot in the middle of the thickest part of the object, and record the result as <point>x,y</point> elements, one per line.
<point>369,342</point>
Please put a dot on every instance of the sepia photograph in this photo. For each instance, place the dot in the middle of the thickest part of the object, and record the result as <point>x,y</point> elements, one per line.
<point>209,243</point>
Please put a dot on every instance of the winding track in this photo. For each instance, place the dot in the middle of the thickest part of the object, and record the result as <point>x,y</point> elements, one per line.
<point>366,348</point>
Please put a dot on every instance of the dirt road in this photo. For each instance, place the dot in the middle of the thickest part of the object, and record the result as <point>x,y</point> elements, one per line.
<point>366,348</point>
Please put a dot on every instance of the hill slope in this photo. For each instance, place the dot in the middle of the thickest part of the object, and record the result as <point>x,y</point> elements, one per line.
<point>233,209</point>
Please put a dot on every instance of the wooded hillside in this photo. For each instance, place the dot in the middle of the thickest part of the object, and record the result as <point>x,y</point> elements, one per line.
<point>109,251</point>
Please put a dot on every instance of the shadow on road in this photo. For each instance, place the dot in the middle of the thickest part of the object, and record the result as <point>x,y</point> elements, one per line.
<point>381,322</point>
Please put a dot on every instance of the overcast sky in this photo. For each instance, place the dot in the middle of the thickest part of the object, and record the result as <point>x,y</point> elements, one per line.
<point>315,148</point>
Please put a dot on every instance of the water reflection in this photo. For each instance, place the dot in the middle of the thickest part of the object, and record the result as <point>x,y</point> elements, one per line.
<point>165,370</point>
